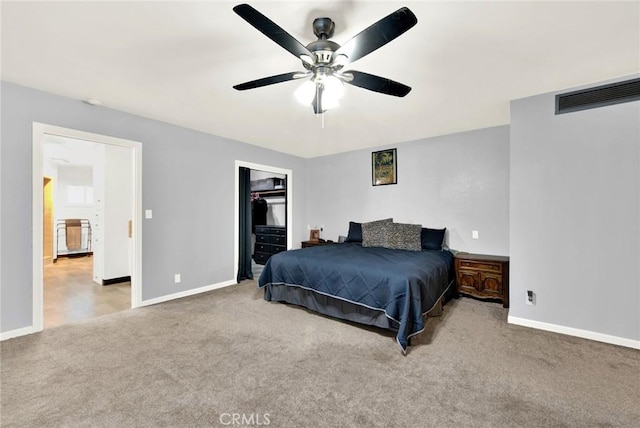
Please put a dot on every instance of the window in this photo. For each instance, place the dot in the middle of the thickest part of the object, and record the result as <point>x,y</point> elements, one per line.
<point>79,195</point>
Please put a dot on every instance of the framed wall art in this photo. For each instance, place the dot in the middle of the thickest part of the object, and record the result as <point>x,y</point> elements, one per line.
<point>314,235</point>
<point>384,167</point>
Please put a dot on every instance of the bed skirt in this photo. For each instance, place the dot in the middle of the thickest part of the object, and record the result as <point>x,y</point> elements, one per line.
<point>338,308</point>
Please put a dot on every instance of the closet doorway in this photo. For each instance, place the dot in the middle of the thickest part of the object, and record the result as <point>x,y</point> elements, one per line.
<point>263,216</point>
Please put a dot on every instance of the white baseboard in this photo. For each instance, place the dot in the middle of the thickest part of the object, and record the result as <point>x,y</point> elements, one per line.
<point>17,333</point>
<point>570,331</point>
<point>187,293</point>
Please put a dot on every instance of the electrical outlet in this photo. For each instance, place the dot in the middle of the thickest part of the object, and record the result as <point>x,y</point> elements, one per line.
<point>176,278</point>
<point>148,214</point>
<point>530,298</point>
<point>474,234</point>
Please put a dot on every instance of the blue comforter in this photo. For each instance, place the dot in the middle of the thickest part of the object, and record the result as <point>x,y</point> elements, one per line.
<point>403,284</point>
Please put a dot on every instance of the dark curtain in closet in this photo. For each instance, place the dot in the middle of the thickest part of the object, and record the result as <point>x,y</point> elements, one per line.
<point>244,261</point>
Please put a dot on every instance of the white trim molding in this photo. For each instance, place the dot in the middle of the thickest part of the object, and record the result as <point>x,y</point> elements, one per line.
<point>17,333</point>
<point>570,331</point>
<point>187,293</point>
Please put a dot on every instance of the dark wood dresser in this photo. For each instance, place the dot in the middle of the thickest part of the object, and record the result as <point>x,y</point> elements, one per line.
<point>483,276</point>
<point>270,240</point>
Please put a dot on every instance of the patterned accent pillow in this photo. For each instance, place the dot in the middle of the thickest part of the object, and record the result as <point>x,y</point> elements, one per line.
<point>374,233</point>
<point>402,236</point>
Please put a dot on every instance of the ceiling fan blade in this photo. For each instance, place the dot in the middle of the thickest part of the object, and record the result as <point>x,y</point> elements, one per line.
<point>265,81</point>
<point>272,30</point>
<point>376,83</point>
<point>378,34</point>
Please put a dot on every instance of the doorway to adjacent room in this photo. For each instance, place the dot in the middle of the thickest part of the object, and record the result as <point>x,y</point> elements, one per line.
<point>86,212</point>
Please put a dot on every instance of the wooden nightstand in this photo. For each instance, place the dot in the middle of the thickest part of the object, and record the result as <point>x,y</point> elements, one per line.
<point>482,276</point>
<point>306,244</point>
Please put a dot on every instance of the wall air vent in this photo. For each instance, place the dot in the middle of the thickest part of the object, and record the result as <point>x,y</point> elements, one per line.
<point>600,96</point>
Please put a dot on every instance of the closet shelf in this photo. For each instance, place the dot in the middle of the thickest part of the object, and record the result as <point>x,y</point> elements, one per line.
<point>271,193</point>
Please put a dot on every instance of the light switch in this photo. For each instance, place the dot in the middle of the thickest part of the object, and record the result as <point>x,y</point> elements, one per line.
<point>148,214</point>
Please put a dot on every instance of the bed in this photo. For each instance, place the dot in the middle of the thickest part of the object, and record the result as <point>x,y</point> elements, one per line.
<point>389,288</point>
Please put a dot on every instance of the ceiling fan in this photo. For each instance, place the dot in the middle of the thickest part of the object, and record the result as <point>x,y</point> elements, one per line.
<point>324,59</point>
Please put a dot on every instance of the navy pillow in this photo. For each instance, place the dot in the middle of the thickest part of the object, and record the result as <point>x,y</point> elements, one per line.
<point>355,232</point>
<point>432,239</point>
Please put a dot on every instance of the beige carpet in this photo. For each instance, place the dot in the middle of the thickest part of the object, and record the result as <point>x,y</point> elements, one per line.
<point>228,358</point>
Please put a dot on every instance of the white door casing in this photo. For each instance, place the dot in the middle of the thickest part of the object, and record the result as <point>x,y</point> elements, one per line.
<point>40,130</point>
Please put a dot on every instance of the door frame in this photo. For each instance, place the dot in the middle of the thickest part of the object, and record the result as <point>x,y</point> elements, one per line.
<point>259,167</point>
<point>39,132</point>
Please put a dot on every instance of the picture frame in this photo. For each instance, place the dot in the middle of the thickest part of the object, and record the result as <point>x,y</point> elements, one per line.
<point>314,235</point>
<point>384,167</point>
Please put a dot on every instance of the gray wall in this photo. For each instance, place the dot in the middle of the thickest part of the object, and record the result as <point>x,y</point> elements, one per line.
<point>559,194</point>
<point>575,216</point>
<point>187,180</point>
<point>458,181</point>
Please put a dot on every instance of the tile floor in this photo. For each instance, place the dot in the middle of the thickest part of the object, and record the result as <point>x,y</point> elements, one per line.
<point>70,294</point>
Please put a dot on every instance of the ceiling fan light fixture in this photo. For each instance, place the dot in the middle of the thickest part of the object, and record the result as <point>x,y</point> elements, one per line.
<point>329,89</point>
<point>305,92</point>
<point>333,87</point>
<point>328,101</point>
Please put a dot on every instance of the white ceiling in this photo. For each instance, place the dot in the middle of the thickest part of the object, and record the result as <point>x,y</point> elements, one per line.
<point>177,62</point>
